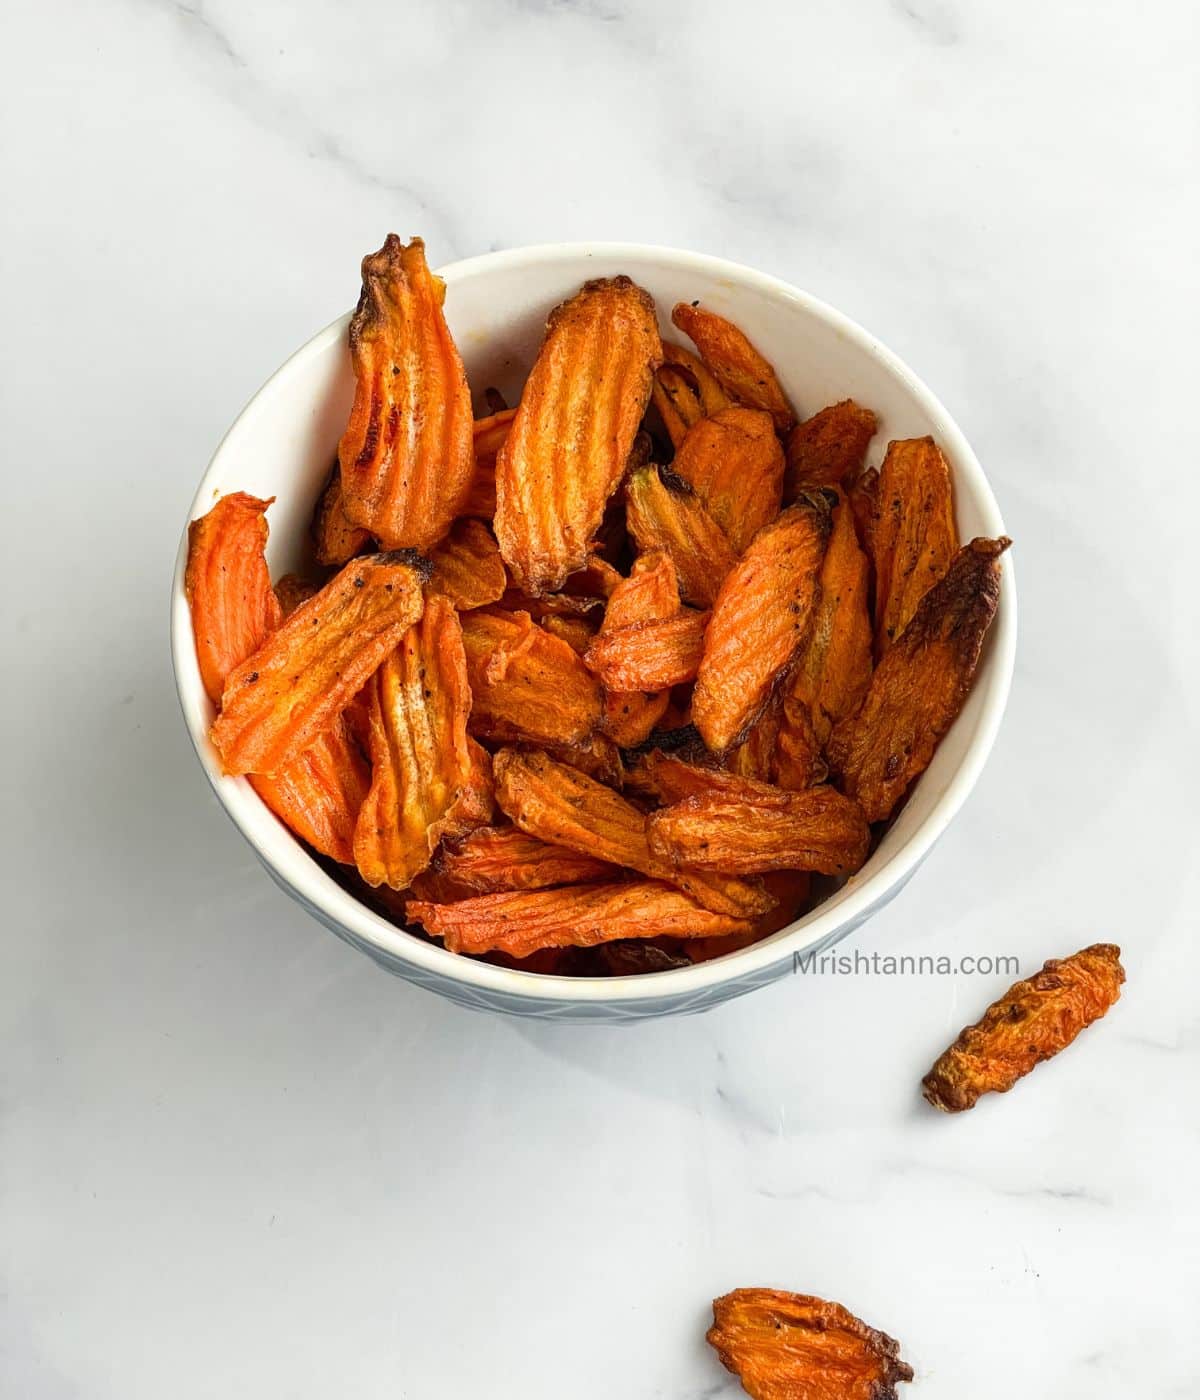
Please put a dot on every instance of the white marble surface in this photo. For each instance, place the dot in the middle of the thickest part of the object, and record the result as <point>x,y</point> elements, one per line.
<point>236,1159</point>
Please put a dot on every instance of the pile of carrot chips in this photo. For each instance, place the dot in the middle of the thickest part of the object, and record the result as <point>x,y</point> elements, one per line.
<point>621,678</point>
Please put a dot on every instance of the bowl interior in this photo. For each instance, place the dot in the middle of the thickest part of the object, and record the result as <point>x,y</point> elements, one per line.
<point>285,441</point>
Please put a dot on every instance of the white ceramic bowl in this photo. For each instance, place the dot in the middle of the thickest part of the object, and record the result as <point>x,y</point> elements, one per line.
<point>286,437</point>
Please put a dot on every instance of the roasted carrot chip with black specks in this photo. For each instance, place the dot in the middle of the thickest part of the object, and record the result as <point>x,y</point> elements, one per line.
<point>791,1346</point>
<point>301,678</point>
<point>863,496</point>
<point>1032,1021</point>
<point>335,540</point>
<point>527,685</point>
<point>228,587</point>
<point>569,443</point>
<point>649,656</point>
<point>522,921</point>
<point>292,590</point>
<point>920,685</point>
<point>913,536</point>
<point>754,757</point>
<point>685,390</point>
<point>467,566</point>
<point>319,793</point>
<point>734,463</point>
<point>664,513</point>
<point>738,367</point>
<point>760,621</point>
<point>828,448</point>
<point>492,859</point>
<point>598,756</point>
<point>407,455</point>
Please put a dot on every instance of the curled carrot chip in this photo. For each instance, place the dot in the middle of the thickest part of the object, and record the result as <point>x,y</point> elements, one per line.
<point>579,414</point>
<point>228,587</point>
<point>754,757</point>
<point>420,760</point>
<point>492,859</point>
<point>562,806</point>
<point>527,685</point>
<point>741,371</point>
<point>828,448</point>
<point>920,685</point>
<point>791,1346</point>
<point>1032,1021</point>
<point>489,434</point>
<point>293,687</point>
<point>913,535</point>
<point>734,463</point>
<point>670,778</point>
<point>760,620</point>
<point>319,793</point>
<point>664,513</point>
<point>685,390</point>
<point>520,922</point>
<point>467,566</point>
<point>407,455</point>
<point>649,656</point>
<point>335,540</point>
<point>292,590</point>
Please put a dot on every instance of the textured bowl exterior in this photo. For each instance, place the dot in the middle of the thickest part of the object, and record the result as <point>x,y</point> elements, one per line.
<point>285,439</point>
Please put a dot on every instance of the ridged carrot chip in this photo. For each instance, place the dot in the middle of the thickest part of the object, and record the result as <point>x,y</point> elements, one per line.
<point>467,566</point>
<point>493,859</point>
<point>685,390</point>
<point>407,456</point>
<point>649,656</point>
<point>489,434</point>
<point>420,760</point>
<point>664,513</point>
<point>580,916</point>
<point>228,587</point>
<point>828,448</point>
<point>734,463</point>
<point>649,594</point>
<point>319,793</point>
<point>760,620</point>
<point>920,685</point>
<point>741,371</point>
<point>569,443</point>
<point>913,534</point>
<point>527,685</point>
<point>299,680</point>
<point>335,540</point>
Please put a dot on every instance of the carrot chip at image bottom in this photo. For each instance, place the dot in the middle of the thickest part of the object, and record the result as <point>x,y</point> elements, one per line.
<point>790,1346</point>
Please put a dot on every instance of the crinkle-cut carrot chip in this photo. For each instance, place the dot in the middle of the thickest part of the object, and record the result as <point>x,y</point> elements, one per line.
<point>407,455</point>
<point>319,793</point>
<point>421,764</point>
<point>569,443</point>
<point>527,685</point>
<point>1032,1021</point>
<point>489,434</point>
<point>828,448</point>
<point>791,1346</point>
<point>228,587</point>
<point>291,689</point>
<point>734,463</point>
<point>649,594</point>
<point>913,535</point>
<point>649,656</point>
<point>467,566</point>
<point>738,367</point>
<point>292,590</point>
<point>562,806</point>
<point>760,621</point>
<point>335,539</point>
<point>492,859</point>
<point>685,390</point>
<point>664,513</point>
<point>817,830</point>
<point>920,685</point>
<point>520,922</point>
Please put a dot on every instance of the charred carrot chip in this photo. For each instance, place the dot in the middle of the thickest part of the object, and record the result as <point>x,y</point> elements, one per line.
<point>228,587</point>
<point>754,757</point>
<point>489,438</point>
<point>568,445</point>
<point>577,632</point>
<point>495,400</point>
<point>562,806</point>
<point>319,793</point>
<point>421,765</point>
<point>520,922</point>
<point>670,779</point>
<point>734,463</point>
<point>818,830</point>
<point>760,621</point>
<point>649,656</point>
<point>664,513</point>
<point>407,456</point>
<point>527,685</point>
<point>467,566</point>
<point>301,678</point>
<point>791,1346</point>
<point>920,685</point>
<point>477,803</point>
<point>492,859</point>
<point>335,540</point>
<point>685,391</point>
<point>741,371</point>
<point>828,448</point>
<point>913,535</point>
<point>636,957</point>
<point>1032,1021</point>
<point>292,590</point>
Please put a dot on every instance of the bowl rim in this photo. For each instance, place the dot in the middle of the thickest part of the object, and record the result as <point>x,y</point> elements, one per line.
<point>314,887</point>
